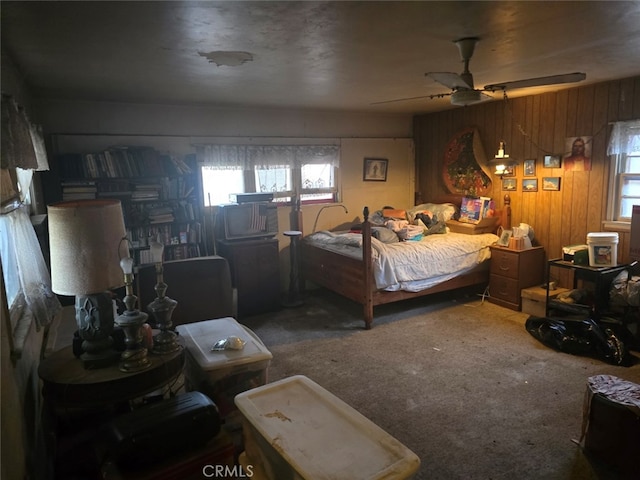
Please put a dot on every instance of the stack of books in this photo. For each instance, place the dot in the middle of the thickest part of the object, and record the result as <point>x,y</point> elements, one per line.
<point>79,190</point>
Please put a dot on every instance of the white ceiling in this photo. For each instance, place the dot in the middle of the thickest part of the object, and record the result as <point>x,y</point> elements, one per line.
<point>301,54</point>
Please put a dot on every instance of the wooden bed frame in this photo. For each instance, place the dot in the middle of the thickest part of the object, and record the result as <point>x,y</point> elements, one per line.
<point>353,278</point>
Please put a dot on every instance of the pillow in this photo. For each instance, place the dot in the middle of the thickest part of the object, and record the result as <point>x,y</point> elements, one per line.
<point>384,234</point>
<point>442,211</point>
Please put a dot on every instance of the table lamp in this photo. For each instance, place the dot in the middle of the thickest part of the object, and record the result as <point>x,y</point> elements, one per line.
<point>131,321</point>
<point>166,341</point>
<point>85,243</point>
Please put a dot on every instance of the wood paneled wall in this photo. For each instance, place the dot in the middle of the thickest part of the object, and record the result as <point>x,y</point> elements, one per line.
<point>533,127</point>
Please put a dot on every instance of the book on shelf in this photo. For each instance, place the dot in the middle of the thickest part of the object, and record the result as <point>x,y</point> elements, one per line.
<point>68,196</point>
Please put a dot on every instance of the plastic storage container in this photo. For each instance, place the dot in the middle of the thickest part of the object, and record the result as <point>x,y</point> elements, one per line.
<point>603,249</point>
<point>221,375</point>
<point>296,429</point>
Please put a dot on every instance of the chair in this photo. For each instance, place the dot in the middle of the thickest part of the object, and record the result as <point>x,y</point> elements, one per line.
<point>201,286</point>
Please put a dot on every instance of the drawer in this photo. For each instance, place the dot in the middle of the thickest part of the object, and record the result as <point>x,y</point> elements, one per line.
<point>504,288</point>
<point>505,263</point>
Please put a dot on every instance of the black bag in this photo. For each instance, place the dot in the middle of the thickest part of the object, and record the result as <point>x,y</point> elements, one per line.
<point>582,337</point>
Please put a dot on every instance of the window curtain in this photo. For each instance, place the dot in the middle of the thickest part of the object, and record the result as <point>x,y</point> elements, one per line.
<point>625,138</point>
<point>28,281</point>
<point>264,157</point>
<point>22,142</point>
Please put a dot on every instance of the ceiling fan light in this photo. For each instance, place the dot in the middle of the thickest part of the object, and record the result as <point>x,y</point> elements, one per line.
<point>466,97</point>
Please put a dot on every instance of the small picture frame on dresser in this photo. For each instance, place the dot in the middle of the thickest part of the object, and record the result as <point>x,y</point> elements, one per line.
<point>505,236</point>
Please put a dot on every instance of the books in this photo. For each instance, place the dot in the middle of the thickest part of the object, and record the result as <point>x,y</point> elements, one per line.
<point>474,209</point>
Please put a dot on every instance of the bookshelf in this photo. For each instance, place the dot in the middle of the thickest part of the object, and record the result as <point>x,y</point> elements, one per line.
<point>160,195</point>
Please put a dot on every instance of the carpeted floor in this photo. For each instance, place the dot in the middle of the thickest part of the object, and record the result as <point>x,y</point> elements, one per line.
<point>457,379</point>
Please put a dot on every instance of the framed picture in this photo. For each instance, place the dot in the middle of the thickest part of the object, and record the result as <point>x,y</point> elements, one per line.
<point>375,170</point>
<point>505,236</point>
<point>509,171</point>
<point>578,156</point>
<point>529,168</point>
<point>530,185</point>
<point>552,161</point>
<point>551,183</point>
<point>509,184</point>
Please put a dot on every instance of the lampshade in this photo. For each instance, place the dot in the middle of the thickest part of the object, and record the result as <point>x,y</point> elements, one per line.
<point>85,242</point>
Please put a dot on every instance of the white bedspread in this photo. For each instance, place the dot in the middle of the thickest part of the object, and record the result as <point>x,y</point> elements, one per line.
<point>413,266</point>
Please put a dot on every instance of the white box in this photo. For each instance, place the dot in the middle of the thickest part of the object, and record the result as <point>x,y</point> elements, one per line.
<point>296,429</point>
<point>603,249</point>
<point>221,375</point>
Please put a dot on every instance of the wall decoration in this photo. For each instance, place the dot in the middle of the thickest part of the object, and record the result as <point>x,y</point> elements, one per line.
<point>578,154</point>
<point>509,184</point>
<point>465,168</point>
<point>552,161</point>
<point>529,168</point>
<point>375,170</point>
<point>509,171</point>
<point>530,185</point>
<point>551,183</point>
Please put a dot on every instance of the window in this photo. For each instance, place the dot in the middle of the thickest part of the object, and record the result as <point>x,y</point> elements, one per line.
<point>25,275</point>
<point>624,149</point>
<point>284,170</point>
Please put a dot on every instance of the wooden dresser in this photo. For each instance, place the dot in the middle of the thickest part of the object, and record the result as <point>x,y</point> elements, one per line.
<point>513,270</point>
<point>255,272</point>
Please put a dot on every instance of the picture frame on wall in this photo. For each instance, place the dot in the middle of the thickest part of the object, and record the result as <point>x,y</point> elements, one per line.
<point>530,185</point>
<point>551,183</point>
<point>509,171</point>
<point>509,184</point>
<point>552,161</point>
<point>529,168</point>
<point>375,169</point>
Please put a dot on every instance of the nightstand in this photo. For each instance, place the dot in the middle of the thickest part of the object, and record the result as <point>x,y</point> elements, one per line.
<point>513,270</point>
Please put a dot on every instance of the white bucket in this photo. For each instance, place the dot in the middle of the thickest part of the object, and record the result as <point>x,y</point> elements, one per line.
<point>603,249</point>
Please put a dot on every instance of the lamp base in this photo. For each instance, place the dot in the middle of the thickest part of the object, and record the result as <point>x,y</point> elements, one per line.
<point>165,342</point>
<point>134,360</point>
<point>94,316</point>
<point>104,359</point>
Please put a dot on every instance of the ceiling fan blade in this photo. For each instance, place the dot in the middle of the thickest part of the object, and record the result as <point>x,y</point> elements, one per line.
<point>448,79</point>
<point>437,95</point>
<point>537,82</point>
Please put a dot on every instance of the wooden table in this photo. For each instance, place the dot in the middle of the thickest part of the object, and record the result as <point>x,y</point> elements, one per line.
<point>67,384</point>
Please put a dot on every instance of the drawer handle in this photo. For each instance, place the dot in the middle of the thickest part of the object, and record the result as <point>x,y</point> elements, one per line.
<point>504,264</point>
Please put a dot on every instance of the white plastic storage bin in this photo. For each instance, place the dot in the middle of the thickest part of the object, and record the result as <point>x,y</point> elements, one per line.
<point>603,249</point>
<point>221,375</point>
<point>296,429</point>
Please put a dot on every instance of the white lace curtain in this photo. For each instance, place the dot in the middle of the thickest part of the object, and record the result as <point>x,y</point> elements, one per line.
<point>625,138</point>
<point>251,157</point>
<point>27,279</point>
<point>28,282</point>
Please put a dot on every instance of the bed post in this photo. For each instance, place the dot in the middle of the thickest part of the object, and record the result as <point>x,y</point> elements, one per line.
<point>367,270</point>
<point>506,213</point>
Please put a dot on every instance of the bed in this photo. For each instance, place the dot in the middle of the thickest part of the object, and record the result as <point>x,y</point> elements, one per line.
<point>372,272</point>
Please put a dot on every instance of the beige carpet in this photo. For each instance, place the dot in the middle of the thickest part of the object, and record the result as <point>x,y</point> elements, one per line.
<point>458,380</point>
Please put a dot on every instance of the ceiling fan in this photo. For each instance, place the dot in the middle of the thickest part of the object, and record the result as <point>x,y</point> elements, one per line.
<point>462,88</point>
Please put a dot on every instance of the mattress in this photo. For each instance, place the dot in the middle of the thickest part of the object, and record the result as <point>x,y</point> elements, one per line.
<point>414,265</point>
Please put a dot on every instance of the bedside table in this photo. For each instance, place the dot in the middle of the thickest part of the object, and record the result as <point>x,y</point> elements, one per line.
<point>513,270</point>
